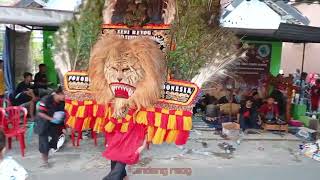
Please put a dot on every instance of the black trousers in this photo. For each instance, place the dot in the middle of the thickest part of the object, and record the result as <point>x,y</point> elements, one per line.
<point>54,131</point>
<point>249,122</point>
<point>118,171</point>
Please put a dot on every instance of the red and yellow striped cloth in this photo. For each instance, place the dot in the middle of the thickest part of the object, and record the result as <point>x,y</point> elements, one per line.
<point>164,125</point>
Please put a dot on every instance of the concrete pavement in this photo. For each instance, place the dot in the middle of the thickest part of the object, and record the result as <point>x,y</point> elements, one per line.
<point>252,160</point>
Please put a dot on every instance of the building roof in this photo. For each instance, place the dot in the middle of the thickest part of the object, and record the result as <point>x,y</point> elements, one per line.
<point>298,33</point>
<point>34,16</point>
<point>234,4</point>
<point>30,4</point>
<point>288,13</point>
<point>286,33</point>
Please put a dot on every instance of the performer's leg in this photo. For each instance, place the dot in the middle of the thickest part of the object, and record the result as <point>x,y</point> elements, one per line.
<point>124,174</point>
<point>54,133</point>
<point>243,123</point>
<point>44,148</point>
<point>113,164</point>
<point>118,172</point>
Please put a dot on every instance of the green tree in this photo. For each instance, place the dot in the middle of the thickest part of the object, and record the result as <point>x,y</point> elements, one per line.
<point>75,39</point>
<point>36,52</point>
<point>1,42</point>
<point>200,41</point>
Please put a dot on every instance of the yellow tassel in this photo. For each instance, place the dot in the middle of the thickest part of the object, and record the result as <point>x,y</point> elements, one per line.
<point>165,111</point>
<point>187,123</point>
<point>119,120</point>
<point>172,136</point>
<point>86,123</point>
<point>95,110</point>
<point>124,127</point>
<point>97,125</point>
<point>157,122</point>
<point>74,102</point>
<point>150,133</point>
<point>103,122</point>
<point>150,110</point>
<point>128,117</point>
<point>87,103</point>
<point>109,127</point>
<point>71,121</point>
<point>172,122</point>
<point>141,118</point>
<point>109,113</point>
<point>159,136</point>
<point>179,113</point>
<point>80,112</point>
<point>106,111</point>
<point>68,108</point>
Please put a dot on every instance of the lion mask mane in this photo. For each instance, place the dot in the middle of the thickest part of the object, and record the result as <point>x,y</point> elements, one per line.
<point>126,73</point>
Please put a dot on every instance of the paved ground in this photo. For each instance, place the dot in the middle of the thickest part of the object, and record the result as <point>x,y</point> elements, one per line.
<point>253,160</point>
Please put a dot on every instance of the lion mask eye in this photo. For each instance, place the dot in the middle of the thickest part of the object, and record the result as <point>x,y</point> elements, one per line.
<point>125,69</point>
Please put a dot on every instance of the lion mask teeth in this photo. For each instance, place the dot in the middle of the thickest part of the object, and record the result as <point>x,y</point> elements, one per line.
<point>121,90</point>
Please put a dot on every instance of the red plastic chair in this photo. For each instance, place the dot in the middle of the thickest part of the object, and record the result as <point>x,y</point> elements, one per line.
<point>2,116</point>
<point>14,127</point>
<point>4,102</point>
<point>76,140</point>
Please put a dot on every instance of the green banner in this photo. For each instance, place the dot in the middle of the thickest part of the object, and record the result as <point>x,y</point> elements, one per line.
<point>48,57</point>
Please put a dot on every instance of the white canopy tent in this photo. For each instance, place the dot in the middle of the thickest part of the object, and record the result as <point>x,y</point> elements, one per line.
<point>33,17</point>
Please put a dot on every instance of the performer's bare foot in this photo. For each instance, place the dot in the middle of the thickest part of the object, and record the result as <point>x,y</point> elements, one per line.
<point>126,178</point>
<point>45,159</point>
<point>45,165</point>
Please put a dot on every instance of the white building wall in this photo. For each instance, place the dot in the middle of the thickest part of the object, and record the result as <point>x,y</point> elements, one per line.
<point>292,53</point>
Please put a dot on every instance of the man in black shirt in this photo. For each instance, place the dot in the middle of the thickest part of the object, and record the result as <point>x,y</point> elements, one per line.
<point>279,100</point>
<point>257,101</point>
<point>40,79</point>
<point>25,94</point>
<point>47,125</point>
<point>23,89</point>
<point>228,98</point>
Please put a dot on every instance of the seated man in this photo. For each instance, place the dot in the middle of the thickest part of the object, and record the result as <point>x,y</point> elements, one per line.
<point>212,109</point>
<point>25,94</point>
<point>279,99</point>
<point>248,115</point>
<point>228,98</point>
<point>41,82</point>
<point>257,101</point>
<point>40,79</point>
<point>269,112</point>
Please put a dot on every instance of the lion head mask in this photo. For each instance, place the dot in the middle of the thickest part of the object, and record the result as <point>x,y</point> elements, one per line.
<point>127,73</point>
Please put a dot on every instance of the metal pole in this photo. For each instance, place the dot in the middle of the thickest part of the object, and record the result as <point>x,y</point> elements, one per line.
<point>302,65</point>
<point>303,55</point>
<point>14,55</point>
